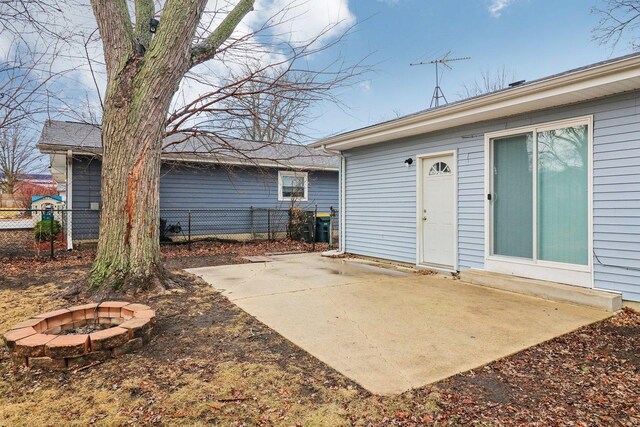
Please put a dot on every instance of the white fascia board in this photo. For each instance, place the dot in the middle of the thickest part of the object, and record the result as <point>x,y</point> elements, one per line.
<point>547,93</point>
<point>271,164</point>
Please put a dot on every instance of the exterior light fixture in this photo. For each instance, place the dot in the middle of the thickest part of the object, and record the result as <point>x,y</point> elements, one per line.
<point>153,25</point>
<point>408,162</point>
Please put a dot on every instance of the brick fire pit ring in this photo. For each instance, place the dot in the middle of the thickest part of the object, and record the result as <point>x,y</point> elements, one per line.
<point>78,336</point>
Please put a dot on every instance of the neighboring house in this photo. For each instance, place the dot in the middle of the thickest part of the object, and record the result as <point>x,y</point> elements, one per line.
<point>541,180</point>
<point>47,207</point>
<point>198,173</point>
<point>42,182</point>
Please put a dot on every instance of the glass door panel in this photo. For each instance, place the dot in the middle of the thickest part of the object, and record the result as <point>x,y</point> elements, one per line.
<point>513,196</point>
<point>563,195</point>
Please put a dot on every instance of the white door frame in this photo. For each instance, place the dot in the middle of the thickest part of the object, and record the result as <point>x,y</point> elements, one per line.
<point>420,206</point>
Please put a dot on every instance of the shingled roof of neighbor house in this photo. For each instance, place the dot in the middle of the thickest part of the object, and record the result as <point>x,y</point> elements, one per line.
<point>84,138</point>
<point>36,198</point>
<point>38,177</point>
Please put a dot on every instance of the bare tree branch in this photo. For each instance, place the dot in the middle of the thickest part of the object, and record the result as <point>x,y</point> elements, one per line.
<point>145,11</point>
<point>93,74</point>
<point>489,81</point>
<point>18,156</point>
<point>208,48</point>
<point>116,31</point>
<point>618,19</point>
<point>275,98</point>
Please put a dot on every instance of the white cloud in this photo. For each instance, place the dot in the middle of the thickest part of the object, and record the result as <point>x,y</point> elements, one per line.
<point>496,7</point>
<point>60,51</point>
<point>295,22</point>
<point>298,22</point>
<point>365,86</point>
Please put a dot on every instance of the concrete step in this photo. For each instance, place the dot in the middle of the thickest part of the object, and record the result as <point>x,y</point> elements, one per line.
<point>602,300</point>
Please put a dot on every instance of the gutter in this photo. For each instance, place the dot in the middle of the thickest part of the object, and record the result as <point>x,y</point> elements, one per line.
<point>69,197</point>
<point>93,151</point>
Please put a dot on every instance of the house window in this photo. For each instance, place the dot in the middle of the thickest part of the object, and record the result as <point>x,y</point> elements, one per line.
<point>293,186</point>
<point>540,203</point>
<point>440,168</point>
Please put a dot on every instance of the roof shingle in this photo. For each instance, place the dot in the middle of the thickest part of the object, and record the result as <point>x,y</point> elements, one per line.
<point>83,137</point>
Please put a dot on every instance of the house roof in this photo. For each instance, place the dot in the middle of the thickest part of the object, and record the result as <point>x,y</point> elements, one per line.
<point>30,177</point>
<point>593,81</point>
<point>36,198</point>
<point>82,138</point>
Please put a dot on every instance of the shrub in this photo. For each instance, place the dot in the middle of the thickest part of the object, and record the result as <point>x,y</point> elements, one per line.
<point>298,224</point>
<point>42,230</point>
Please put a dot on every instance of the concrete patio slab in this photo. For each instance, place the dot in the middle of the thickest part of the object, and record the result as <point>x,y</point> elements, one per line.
<point>391,331</point>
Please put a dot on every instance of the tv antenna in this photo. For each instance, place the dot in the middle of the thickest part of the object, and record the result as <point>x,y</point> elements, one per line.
<point>437,92</point>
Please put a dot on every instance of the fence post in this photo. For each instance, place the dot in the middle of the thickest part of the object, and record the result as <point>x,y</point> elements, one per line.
<point>313,225</point>
<point>268,224</point>
<point>253,233</point>
<point>51,237</point>
<point>189,232</point>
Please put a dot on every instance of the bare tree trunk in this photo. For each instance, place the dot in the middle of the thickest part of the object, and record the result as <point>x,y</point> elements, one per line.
<point>143,74</point>
<point>128,249</point>
<point>132,130</point>
<point>133,127</point>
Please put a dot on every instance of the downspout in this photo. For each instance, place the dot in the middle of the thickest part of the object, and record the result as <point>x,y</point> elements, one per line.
<point>343,187</point>
<point>69,198</point>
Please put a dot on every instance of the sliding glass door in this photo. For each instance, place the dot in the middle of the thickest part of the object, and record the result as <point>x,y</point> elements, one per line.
<point>540,195</point>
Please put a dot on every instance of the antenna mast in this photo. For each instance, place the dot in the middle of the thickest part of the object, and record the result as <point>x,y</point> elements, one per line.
<point>437,92</point>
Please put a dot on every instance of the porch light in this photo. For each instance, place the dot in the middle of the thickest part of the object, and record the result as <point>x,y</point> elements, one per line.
<point>408,162</point>
<point>153,25</point>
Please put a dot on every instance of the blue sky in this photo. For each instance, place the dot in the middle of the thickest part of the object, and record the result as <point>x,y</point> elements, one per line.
<point>529,38</point>
<point>532,38</point>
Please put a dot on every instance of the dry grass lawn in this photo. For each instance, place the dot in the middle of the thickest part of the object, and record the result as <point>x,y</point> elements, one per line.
<point>211,363</point>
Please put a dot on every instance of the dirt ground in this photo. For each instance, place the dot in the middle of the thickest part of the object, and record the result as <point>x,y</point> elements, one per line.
<point>176,256</point>
<point>210,363</point>
<point>16,243</point>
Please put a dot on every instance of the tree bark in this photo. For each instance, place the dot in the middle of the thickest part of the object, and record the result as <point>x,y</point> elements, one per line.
<point>128,246</point>
<point>139,91</point>
<point>143,74</point>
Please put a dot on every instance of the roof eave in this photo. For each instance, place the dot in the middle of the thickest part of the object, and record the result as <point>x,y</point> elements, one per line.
<point>283,164</point>
<point>478,109</point>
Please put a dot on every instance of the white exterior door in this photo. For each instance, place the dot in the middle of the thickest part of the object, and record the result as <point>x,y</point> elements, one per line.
<point>437,213</point>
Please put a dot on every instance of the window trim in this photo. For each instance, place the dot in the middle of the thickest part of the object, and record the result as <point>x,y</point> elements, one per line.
<point>294,174</point>
<point>437,172</point>
<point>580,275</point>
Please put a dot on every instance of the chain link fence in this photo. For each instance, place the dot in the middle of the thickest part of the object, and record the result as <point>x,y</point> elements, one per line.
<point>44,232</point>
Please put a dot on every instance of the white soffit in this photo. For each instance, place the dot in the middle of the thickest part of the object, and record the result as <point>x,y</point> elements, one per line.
<point>59,167</point>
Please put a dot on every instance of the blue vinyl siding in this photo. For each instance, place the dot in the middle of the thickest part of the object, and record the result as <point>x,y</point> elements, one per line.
<point>381,191</point>
<point>204,187</point>
<point>381,198</point>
